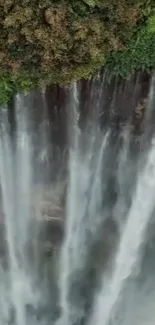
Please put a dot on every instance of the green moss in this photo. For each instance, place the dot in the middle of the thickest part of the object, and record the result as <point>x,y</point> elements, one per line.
<point>49,41</point>
<point>6,90</point>
<point>91,3</point>
<point>138,55</point>
<point>151,24</point>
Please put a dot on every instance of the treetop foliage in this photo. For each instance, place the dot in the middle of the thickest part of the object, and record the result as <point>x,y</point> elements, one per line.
<point>58,41</point>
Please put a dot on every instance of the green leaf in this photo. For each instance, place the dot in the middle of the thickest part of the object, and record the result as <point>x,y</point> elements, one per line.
<point>90,3</point>
<point>151,24</point>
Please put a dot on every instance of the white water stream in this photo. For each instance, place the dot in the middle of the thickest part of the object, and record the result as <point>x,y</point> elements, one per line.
<point>86,215</point>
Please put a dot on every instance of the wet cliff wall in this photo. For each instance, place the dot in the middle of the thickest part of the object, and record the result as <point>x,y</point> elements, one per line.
<point>111,103</point>
<point>116,105</point>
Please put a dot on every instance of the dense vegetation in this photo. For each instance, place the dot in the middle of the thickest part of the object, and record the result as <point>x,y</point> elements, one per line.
<point>49,41</point>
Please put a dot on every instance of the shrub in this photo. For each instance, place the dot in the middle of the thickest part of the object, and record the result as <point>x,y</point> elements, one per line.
<point>138,55</point>
<point>49,41</point>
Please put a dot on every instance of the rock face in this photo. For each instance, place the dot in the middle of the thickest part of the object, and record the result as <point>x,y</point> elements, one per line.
<point>49,211</point>
<point>47,227</point>
<point>117,100</point>
<point>47,204</point>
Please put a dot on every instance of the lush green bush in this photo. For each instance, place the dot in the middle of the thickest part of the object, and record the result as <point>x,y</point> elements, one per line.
<point>138,55</point>
<point>58,41</point>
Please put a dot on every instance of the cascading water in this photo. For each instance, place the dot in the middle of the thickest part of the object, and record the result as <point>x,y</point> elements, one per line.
<point>17,172</point>
<point>103,218</point>
<point>131,240</point>
<point>84,202</point>
<point>16,194</point>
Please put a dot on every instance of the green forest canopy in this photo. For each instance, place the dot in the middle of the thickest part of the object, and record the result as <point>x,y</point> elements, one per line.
<point>58,41</point>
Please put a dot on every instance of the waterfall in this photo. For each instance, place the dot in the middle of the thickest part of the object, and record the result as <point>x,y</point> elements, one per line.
<point>130,242</point>
<point>83,203</point>
<point>132,237</point>
<point>77,213</point>
<point>17,171</point>
<point>15,175</point>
